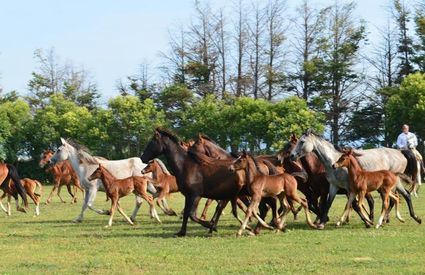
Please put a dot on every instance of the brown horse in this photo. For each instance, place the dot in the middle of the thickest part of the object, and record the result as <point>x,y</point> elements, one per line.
<point>362,182</point>
<point>164,181</point>
<point>63,174</point>
<point>205,145</point>
<point>9,173</point>
<point>197,176</point>
<point>118,188</point>
<point>281,186</point>
<point>30,187</point>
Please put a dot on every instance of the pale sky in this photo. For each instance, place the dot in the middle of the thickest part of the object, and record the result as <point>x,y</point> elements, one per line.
<point>108,38</point>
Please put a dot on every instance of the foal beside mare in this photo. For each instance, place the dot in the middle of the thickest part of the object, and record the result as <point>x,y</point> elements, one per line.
<point>30,187</point>
<point>362,182</point>
<point>282,186</point>
<point>118,188</point>
<point>164,181</point>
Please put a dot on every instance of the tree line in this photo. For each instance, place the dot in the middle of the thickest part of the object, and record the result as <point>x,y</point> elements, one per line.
<point>247,77</point>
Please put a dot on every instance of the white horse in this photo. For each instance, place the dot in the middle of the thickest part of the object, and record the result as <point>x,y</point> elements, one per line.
<point>370,160</point>
<point>85,164</point>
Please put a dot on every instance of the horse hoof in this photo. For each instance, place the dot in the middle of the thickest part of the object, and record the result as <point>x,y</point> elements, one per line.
<point>418,220</point>
<point>377,226</point>
<point>77,220</point>
<point>368,225</point>
<point>180,234</point>
<point>320,226</point>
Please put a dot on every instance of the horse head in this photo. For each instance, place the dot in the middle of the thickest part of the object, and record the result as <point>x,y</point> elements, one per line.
<point>161,140</point>
<point>149,168</point>
<point>97,174</point>
<point>240,163</point>
<point>303,146</point>
<point>45,157</point>
<point>62,153</point>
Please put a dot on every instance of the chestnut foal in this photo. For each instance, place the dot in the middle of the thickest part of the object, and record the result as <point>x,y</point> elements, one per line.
<point>282,186</point>
<point>164,181</point>
<point>118,188</point>
<point>30,187</point>
<point>362,182</point>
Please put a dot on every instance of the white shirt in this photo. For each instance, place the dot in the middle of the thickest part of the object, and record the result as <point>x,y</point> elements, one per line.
<point>406,141</point>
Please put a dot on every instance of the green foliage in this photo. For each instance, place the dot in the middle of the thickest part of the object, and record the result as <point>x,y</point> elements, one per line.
<point>407,106</point>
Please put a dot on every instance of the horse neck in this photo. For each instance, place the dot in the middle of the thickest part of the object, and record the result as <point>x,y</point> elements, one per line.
<point>251,170</point>
<point>107,178</point>
<point>157,172</point>
<point>214,151</point>
<point>354,168</point>
<point>175,155</point>
<point>326,153</point>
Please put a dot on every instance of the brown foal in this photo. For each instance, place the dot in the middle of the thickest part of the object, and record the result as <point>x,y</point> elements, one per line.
<point>118,188</point>
<point>362,182</point>
<point>30,187</point>
<point>164,181</point>
<point>282,186</point>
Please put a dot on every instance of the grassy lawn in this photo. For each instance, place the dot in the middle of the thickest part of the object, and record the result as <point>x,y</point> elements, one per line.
<point>51,243</point>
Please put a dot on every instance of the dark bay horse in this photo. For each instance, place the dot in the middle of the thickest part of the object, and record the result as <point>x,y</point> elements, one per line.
<point>9,172</point>
<point>197,176</point>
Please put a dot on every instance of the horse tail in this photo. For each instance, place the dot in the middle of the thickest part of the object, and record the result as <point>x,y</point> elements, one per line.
<point>407,180</point>
<point>270,166</point>
<point>302,176</point>
<point>13,174</point>
<point>411,168</point>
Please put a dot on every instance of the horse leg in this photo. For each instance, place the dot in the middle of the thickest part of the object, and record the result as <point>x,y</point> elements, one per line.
<point>84,206</point>
<point>218,211</point>
<point>1,202</point>
<point>91,199</point>
<point>141,191</point>
<point>326,206</point>
<point>139,201</point>
<point>114,203</point>
<point>285,210</point>
<point>397,203</point>
<point>165,205</point>
<point>351,198</point>
<point>9,198</point>
<point>359,211</point>
<point>385,204</point>
<point>248,214</point>
<point>371,203</point>
<point>406,196</point>
<point>123,214</point>
<point>73,198</point>
<point>265,203</point>
<point>34,198</point>
<point>59,191</point>
<point>187,204</point>
<point>204,212</point>
<point>49,199</point>
<point>193,216</point>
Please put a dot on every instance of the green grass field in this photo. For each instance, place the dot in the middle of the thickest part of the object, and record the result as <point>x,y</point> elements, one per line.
<point>51,243</point>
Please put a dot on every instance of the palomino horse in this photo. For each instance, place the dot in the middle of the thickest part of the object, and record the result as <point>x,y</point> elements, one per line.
<point>164,182</point>
<point>118,188</point>
<point>282,186</point>
<point>9,172</point>
<point>63,174</point>
<point>197,176</point>
<point>30,187</point>
<point>84,165</point>
<point>371,160</point>
<point>360,182</point>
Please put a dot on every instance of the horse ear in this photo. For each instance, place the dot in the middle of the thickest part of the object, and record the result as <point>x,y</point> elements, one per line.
<point>63,141</point>
<point>244,153</point>
<point>308,132</point>
<point>294,137</point>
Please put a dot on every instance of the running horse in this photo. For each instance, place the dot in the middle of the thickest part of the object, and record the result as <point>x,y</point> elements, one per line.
<point>9,172</point>
<point>371,160</point>
<point>85,164</point>
<point>63,174</point>
<point>197,176</point>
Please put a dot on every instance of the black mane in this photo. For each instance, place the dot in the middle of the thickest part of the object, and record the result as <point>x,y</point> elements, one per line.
<point>168,134</point>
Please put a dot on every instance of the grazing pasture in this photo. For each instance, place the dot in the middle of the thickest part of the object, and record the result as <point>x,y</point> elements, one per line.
<point>51,244</point>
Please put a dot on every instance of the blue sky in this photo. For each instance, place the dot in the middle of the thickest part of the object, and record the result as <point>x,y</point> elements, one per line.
<point>108,38</point>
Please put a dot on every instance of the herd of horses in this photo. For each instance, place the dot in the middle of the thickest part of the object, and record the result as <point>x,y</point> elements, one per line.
<point>255,184</point>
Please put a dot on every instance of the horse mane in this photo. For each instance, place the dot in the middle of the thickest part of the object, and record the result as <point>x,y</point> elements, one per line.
<point>168,134</point>
<point>207,138</point>
<point>272,169</point>
<point>200,158</point>
<point>77,145</point>
<point>162,165</point>
<point>256,164</point>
